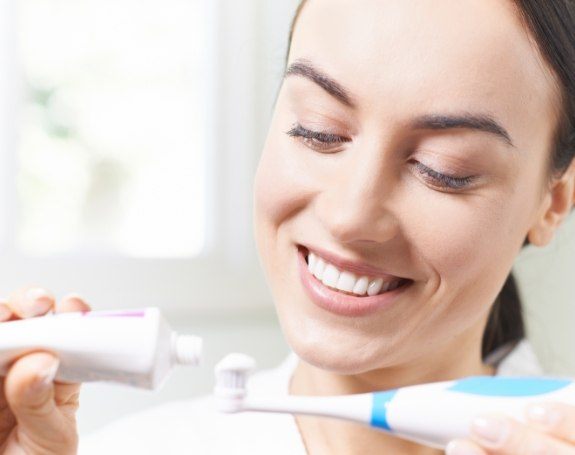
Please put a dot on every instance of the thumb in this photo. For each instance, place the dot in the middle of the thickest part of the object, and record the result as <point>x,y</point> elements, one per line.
<point>29,391</point>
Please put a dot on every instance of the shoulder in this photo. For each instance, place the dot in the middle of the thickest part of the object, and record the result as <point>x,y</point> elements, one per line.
<point>195,426</point>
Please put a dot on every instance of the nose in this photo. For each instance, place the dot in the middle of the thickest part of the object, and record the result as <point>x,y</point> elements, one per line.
<point>355,207</point>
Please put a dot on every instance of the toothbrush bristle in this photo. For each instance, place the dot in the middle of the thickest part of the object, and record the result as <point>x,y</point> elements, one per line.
<point>232,370</point>
<point>231,380</point>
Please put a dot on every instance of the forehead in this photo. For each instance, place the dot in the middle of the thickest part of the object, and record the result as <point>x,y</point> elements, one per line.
<point>401,56</point>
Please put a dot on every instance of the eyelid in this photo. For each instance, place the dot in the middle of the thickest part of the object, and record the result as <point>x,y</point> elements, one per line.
<point>299,130</point>
<point>446,181</point>
<point>442,173</point>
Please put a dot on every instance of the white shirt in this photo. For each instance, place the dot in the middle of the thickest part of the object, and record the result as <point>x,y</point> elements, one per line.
<point>196,427</point>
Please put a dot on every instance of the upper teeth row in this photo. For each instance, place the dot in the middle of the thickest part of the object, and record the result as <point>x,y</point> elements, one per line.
<point>331,276</point>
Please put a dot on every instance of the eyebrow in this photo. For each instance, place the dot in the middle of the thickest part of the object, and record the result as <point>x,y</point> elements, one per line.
<point>479,122</point>
<point>306,69</point>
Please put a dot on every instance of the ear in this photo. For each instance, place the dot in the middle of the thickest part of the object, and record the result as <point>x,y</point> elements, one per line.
<point>555,207</point>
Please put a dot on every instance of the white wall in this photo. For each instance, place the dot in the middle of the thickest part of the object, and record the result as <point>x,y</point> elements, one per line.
<point>547,283</point>
<point>250,29</point>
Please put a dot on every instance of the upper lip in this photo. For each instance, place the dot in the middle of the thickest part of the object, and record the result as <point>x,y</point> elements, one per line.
<point>359,268</point>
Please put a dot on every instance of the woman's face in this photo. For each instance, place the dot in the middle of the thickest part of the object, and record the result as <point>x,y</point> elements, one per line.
<point>403,94</point>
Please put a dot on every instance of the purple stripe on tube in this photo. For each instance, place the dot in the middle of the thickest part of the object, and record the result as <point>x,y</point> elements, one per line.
<point>116,314</point>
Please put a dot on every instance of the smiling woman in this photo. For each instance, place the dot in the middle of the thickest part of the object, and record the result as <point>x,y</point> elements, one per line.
<point>429,141</point>
<point>415,147</point>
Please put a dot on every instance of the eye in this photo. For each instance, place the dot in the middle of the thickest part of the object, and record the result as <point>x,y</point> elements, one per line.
<point>444,181</point>
<point>317,140</point>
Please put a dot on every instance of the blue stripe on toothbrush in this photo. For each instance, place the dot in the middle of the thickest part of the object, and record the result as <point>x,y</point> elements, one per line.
<point>379,409</point>
<point>502,386</point>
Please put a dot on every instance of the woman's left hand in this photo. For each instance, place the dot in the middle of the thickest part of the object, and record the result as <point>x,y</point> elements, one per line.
<point>551,430</point>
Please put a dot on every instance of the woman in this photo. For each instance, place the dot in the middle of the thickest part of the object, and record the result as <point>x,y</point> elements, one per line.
<point>415,147</point>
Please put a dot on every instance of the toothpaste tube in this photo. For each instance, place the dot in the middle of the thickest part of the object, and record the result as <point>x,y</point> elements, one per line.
<point>133,347</point>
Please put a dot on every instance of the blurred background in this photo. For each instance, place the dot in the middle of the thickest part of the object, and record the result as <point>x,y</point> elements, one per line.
<point>131,131</point>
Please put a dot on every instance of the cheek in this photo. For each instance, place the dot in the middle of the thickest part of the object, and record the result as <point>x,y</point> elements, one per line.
<point>282,189</point>
<point>283,185</point>
<point>469,243</point>
<point>274,193</point>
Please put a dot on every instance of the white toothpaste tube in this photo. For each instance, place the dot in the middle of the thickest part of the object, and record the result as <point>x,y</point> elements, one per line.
<point>133,347</point>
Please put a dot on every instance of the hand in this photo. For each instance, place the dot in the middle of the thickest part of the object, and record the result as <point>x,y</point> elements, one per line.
<point>37,416</point>
<point>551,430</point>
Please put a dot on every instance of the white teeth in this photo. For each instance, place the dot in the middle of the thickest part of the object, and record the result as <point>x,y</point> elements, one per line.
<point>319,268</point>
<point>375,286</point>
<point>346,281</point>
<point>330,276</point>
<point>311,260</point>
<point>360,287</point>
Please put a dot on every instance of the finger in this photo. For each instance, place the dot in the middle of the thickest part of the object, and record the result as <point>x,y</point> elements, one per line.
<point>463,447</point>
<point>30,302</point>
<point>72,302</point>
<point>5,311</point>
<point>499,435</point>
<point>555,419</point>
<point>30,394</point>
<point>66,394</point>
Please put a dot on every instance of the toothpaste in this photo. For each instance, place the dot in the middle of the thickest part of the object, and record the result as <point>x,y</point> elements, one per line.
<point>133,347</point>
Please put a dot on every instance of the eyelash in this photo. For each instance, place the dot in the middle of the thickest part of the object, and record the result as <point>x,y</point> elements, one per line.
<point>444,180</point>
<point>327,139</point>
<point>324,139</point>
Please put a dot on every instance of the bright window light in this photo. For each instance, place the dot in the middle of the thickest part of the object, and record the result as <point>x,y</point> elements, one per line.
<point>112,152</point>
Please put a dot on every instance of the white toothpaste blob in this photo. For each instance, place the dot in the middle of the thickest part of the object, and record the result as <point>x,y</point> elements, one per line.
<point>134,347</point>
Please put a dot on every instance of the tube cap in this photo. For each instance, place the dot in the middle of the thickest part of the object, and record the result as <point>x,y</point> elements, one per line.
<point>187,349</point>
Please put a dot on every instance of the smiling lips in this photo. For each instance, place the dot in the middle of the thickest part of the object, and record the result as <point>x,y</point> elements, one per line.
<point>343,280</point>
<point>346,292</point>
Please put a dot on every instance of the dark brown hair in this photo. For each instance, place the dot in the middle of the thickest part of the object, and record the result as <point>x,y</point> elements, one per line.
<point>552,24</point>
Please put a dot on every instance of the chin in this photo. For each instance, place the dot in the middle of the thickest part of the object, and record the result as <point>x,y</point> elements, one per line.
<point>337,355</point>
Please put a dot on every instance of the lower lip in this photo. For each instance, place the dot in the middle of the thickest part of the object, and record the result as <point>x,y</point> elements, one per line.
<point>343,304</point>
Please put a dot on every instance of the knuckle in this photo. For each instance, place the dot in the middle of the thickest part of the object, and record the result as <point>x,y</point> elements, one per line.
<point>540,449</point>
<point>534,446</point>
<point>38,409</point>
<point>32,301</point>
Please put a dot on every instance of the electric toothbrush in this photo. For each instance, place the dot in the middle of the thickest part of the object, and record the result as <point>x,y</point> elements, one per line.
<point>431,414</point>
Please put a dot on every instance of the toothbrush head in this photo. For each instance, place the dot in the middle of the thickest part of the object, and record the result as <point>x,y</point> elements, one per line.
<point>231,379</point>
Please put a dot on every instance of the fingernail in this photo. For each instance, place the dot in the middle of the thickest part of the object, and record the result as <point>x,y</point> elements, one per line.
<point>457,447</point>
<point>36,302</point>
<point>490,430</point>
<point>74,298</point>
<point>545,415</point>
<point>46,374</point>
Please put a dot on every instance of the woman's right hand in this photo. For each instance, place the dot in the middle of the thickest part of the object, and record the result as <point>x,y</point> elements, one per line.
<point>37,416</point>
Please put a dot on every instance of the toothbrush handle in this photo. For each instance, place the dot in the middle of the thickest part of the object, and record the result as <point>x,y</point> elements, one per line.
<point>434,414</point>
